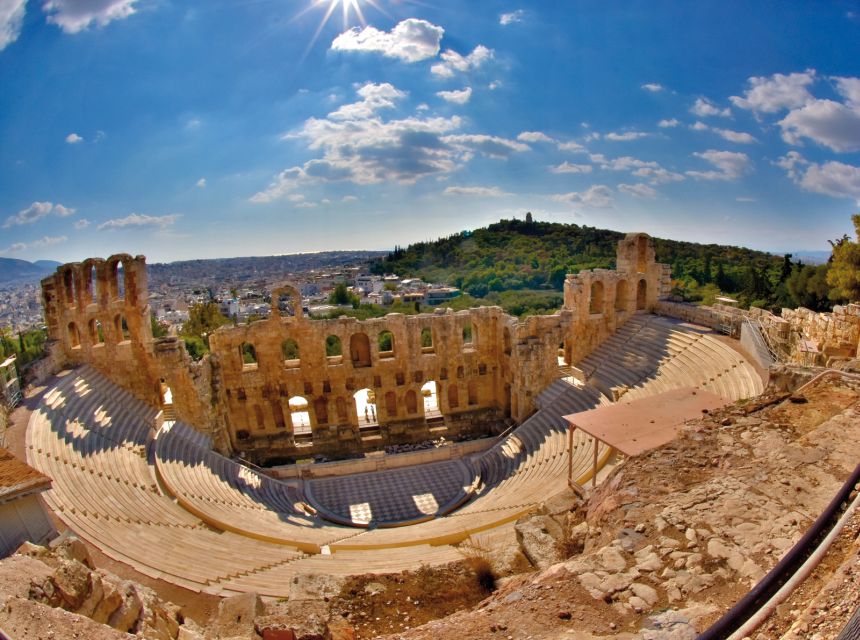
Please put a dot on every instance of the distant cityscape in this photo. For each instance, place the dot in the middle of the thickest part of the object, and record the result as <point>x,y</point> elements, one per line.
<point>242,287</point>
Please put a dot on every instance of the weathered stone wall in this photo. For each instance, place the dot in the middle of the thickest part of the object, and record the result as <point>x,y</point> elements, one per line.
<point>97,312</point>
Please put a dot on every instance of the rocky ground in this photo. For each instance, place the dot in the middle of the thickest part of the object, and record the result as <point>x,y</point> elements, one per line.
<point>669,542</point>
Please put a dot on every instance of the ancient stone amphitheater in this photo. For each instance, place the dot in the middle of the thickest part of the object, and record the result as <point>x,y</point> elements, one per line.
<point>163,481</point>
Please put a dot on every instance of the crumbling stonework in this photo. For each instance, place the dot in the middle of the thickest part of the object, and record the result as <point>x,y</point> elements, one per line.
<point>285,386</point>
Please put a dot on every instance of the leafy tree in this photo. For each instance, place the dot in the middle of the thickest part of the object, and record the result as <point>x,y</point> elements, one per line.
<point>159,329</point>
<point>342,296</point>
<point>203,319</point>
<point>844,273</point>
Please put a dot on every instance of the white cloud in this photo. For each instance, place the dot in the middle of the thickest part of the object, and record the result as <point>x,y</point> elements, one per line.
<point>658,175</point>
<point>835,179</point>
<point>139,220</point>
<point>45,241</point>
<point>37,211</point>
<point>598,196</point>
<point>509,18</point>
<point>73,16</point>
<point>375,97</point>
<point>568,167</point>
<point>484,192</point>
<point>83,223</point>
<point>349,199</point>
<point>638,190</point>
<point>410,40</point>
<point>357,145</point>
<point>457,97</point>
<point>646,169</point>
<point>453,62</point>
<point>571,146</point>
<point>668,124</point>
<point>740,137</point>
<point>495,84</point>
<point>11,19</point>
<point>850,90</point>
<point>653,87</point>
<point>729,165</point>
<point>829,123</point>
<point>534,136</point>
<point>74,138</point>
<point>201,184</point>
<point>627,135</point>
<point>491,146</point>
<point>769,95</point>
<point>704,108</point>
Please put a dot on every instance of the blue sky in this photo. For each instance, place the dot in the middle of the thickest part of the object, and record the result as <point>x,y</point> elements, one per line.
<point>251,127</point>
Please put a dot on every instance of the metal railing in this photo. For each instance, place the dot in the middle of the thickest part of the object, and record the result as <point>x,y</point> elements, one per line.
<point>762,340</point>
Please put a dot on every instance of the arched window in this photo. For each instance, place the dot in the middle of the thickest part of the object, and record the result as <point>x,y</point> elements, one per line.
<point>391,404</point>
<point>69,286</point>
<point>74,336</point>
<point>290,351</point>
<point>621,295</point>
<point>468,335</point>
<point>333,350</point>
<point>642,294</point>
<point>359,350</point>
<point>506,338</point>
<point>92,283</point>
<point>596,303</point>
<point>453,396</point>
<point>121,328</point>
<point>119,279</point>
<point>97,335</point>
<point>248,356</point>
<point>411,402</point>
<point>427,340</point>
<point>287,302</point>
<point>386,344</point>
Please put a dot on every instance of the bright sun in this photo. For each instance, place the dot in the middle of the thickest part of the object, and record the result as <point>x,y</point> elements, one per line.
<point>348,9</point>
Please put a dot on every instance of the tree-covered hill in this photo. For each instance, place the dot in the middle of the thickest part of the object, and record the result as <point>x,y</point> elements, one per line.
<point>525,254</point>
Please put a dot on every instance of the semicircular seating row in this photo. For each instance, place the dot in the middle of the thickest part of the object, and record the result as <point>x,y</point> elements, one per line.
<point>231,529</point>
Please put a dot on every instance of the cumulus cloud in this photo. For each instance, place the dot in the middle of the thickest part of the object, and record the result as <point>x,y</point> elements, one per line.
<point>37,211</point>
<point>453,62</point>
<point>704,108</point>
<point>137,220</point>
<point>201,184</point>
<point>73,16</point>
<point>74,138</point>
<point>410,40</point>
<point>653,87</point>
<point>829,123</point>
<point>569,167</point>
<point>729,165</point>
<point>777,92</point>
<point>359,146</point>
<point>534,136</point>
<point>83,223</point>
<point>597,196</point>
<point>11,19</point>
<point>645,169</point>
<point>510,18</point>
<point>832,178</point>
<point>668,124</point>
<point>484,192</point>
<point>457,97</point>
<point>638,190</point>
<point>625,136</point>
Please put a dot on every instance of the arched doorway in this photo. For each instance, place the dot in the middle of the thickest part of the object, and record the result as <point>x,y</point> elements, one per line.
<point>430,394</point>
<point>365,408</point>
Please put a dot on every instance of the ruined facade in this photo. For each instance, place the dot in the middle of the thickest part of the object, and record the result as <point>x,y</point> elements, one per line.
<point>289,386</point>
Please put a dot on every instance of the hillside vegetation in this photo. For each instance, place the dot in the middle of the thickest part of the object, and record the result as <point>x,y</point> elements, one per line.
<point>533,258</point>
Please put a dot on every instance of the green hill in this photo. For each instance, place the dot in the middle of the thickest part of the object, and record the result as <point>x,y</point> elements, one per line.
<point>517,255</point>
